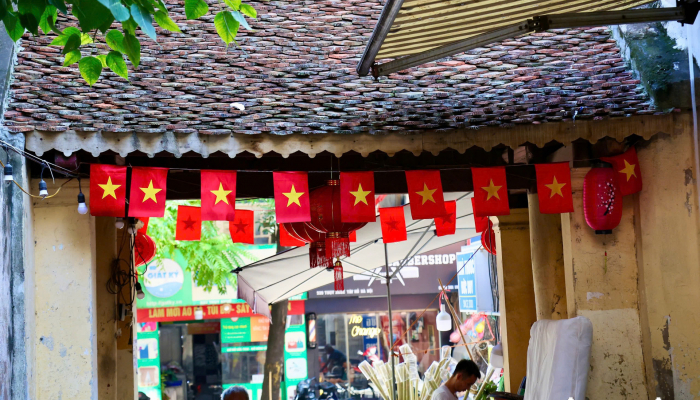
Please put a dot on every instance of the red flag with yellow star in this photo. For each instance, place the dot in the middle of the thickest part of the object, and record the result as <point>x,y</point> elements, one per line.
<point>490,192</point>
<point>107,190</point>
<point>447,225</point>
<point>554,188</point>
<point>393,224</point>
<point>425,194</point>
<point>242,227</point>
<point>630,175</point>
<point>480,223</point>
<point>189,223</point>
<point>147,192</point>
<point>357,197</point>
<point>218,195</point>
<point>291,197</point>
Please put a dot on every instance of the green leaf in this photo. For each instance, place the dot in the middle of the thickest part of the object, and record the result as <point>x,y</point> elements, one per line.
<point>71,30</point>
<point>30,23</point>
<point>248,10</point>
<point>14,29</point>
<point>90,69</point>
<point>91,14</point>
<point>71,58</point>
<point>226,26</point>
<point>132,48</point>
<point>161,6</point>
<point>60,5</point>
<point>116,63</point>
<point>85,39</point>
<point>165,22</point>
<point>114,40</point>
<point>33,7</point>
<point>103,59</point>
<point>143,18</point>
<point>195,8</point>
<point>241,19</point>
<point>3,8</point>
<point>119,12</point>
<point>129,26</point>
<point>48,19</point>
<point>72,43</point>
<point>235,4</point>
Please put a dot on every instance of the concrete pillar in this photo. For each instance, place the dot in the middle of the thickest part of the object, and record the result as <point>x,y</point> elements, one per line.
<point>106,309</point>
<point>126,367</point>
<point>546,251</point>
<point>606,293</point>
<point>668,252</point>
<point>65,350</point>
<point>516,292</point>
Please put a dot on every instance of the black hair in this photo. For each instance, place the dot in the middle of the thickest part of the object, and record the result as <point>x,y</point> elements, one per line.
<point>467,368</point>
<point>228,393</point>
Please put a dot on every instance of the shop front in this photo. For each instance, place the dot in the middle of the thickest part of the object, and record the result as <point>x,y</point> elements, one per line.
<point>355,322</point>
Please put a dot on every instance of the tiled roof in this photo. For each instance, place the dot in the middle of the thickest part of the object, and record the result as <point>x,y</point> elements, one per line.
<point>296,73</point>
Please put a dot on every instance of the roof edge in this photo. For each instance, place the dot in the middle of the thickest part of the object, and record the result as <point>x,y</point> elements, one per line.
<point>433,141</point>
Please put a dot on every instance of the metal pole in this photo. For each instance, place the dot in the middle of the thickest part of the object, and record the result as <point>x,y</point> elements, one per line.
<point>391,324</point>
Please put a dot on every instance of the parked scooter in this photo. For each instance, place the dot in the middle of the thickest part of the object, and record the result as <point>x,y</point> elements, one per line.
<point>306,390</point>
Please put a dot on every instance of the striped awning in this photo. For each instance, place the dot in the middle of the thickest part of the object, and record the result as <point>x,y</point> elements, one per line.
<point>411,27</point>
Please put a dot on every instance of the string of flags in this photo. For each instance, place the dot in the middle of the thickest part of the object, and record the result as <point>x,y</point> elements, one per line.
<point>354,193</point>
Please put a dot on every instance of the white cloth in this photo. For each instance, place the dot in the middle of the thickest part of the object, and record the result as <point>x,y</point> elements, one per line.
<point>443,393</point>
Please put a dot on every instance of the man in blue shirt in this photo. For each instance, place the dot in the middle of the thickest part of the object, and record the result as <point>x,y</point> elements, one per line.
<point>334,362</point>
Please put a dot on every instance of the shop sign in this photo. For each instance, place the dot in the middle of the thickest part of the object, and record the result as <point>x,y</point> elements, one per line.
<point>474,280</point>
<point>148,360</point>
<point>411,279</point>
<point>242,349</point>
<point>245,329</point>
<point>236,310</point>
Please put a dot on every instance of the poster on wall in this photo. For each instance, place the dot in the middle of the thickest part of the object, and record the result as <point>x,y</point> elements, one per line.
<point>295,362</point>
<point>148,360</point>
<point>474,280</point>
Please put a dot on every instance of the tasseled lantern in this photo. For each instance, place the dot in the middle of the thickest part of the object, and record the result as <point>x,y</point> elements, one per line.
<point>602,199</point>
<point>338,283</point>
<point>488,238</point>
<point>326,218</point>
<point>317,240</point>
<point>317,255</point>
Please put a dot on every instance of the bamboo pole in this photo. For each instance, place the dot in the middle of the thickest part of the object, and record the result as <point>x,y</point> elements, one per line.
<point>459,321</point>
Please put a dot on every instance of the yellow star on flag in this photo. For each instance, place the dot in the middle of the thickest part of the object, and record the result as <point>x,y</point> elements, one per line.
<point>427,194</point>
<point>221,194</point>
<point>629,170</point>
<point>150,192</point>
<point>555,188</point>
<point>109,188</point>
<point>293,197</point>
<point>492,190</point>
<point>360,195</point>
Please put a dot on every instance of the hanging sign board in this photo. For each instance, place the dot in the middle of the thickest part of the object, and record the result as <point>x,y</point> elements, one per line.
<point>235,310</point>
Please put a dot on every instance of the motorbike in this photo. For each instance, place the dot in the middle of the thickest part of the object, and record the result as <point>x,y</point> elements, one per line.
<point>306,390</point>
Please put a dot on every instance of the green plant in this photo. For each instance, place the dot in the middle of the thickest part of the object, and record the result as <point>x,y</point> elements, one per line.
<point>40,17</point>
<point>211,259</point>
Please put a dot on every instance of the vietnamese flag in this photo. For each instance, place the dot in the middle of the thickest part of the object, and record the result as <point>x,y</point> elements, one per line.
<point>147,192</point>
<point>627,164</point>
<point>357,197</point>
<point>447,225</point>
<point>480,223</point>
<point>554,188</point>
<point>189,223</point>
<point>144,228</point>
<point>393,224</point>
<point>107,190</point>
<point>490,192</point>
<point>287,240</point>
<point>291,197</point>
<point>241,228</point>
<point>218,195</point>
<point>425,194</point>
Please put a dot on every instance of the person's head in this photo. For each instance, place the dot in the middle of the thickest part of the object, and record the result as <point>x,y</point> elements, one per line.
<point>465,374</point>
<point>329,349</point>
<point>235,393</point>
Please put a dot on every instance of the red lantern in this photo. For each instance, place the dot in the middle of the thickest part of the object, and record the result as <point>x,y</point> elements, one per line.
<point>325,218</point>
<point>145,248</point>
<point>317,240</point>
<point>488,238</point>
<point>602,199</point>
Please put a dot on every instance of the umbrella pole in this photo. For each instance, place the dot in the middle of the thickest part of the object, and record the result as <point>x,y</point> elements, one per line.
<point>391,324</point>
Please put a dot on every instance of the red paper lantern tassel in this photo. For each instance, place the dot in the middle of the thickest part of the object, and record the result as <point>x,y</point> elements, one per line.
<point>317,256</point>
<point>338,283</point>
<point>337,245</point>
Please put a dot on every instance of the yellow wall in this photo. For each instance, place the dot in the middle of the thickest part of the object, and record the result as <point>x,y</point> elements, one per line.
<point>668,254</point>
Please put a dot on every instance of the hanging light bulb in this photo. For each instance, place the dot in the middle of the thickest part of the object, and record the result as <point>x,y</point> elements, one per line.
<point>139,291</point>
<point>43,190</point>
<point>8,173</point>
<point>198,313</point>
<point>443,320</point>
<point>227,308</point>
<point>119,223</point>
<point>82,208</point>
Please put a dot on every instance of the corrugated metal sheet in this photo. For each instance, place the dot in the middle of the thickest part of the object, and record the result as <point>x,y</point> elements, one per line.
<point>423,25</point>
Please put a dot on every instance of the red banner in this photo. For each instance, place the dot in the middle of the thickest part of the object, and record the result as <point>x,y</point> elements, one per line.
<point>216,311</point>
